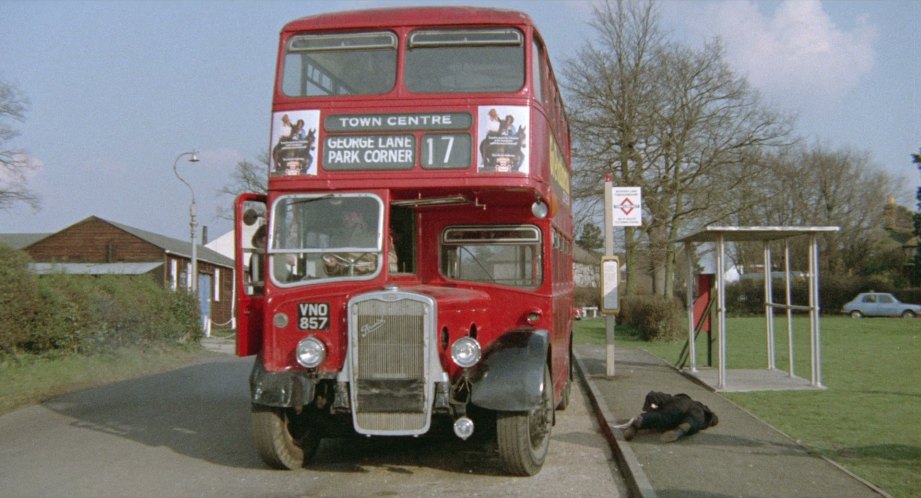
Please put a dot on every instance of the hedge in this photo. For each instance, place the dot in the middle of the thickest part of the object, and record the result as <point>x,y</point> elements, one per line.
<point>86,314</point>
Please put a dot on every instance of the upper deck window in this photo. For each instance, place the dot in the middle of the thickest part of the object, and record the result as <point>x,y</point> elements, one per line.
<point>319,65</point>
<point>465,60</point>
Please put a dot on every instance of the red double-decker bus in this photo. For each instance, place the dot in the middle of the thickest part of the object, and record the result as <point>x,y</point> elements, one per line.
<point>411,262</point>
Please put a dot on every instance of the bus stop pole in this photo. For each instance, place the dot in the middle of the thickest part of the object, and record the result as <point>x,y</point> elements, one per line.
<point>609,319</point>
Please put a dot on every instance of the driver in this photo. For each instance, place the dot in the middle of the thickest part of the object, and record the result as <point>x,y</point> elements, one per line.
<point>355,233</point>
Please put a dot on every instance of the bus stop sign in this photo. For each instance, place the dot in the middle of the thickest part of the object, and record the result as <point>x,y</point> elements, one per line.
<point>627,206</point>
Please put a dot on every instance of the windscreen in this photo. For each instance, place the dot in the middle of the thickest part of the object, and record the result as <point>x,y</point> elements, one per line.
<point>318,237</point>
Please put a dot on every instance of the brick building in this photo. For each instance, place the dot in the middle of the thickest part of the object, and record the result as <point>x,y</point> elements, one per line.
<point>95,246</point>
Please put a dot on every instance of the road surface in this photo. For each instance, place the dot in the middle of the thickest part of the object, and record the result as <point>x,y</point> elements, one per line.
<point>186,433</point>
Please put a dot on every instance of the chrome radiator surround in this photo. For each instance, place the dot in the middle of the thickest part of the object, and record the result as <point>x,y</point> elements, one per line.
<point>392,362</point>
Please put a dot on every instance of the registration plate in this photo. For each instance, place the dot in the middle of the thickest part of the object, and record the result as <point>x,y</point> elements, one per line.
<point>313,316</point>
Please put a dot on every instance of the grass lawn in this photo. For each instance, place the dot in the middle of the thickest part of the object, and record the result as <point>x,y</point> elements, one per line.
<point>869,417</point>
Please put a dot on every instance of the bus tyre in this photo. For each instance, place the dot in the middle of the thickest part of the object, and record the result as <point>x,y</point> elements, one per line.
<point>567,391</point>
<point>277,438</point>
<point>523,438</point>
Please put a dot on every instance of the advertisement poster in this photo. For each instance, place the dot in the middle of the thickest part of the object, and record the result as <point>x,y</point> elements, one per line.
<point>294,143</point>
<point>502,134</point>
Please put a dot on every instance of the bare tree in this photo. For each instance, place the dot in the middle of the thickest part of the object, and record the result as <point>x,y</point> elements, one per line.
<point>820,186</point>
<point>916,266</point>
<point>610,85</point>
<point>14,164</point>
<point>247,177</point>
<point>708,129</point>
<point>673,120</point>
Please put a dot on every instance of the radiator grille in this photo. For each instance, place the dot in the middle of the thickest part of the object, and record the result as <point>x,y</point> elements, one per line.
<point>389,384</point>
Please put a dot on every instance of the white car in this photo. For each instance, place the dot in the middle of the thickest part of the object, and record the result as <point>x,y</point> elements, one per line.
<point>880,304</point>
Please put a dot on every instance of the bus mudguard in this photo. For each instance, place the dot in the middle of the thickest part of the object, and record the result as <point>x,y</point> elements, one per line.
<point>510,374</point>
<point>280,389</point>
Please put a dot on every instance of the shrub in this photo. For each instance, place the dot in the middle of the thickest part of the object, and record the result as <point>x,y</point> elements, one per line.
<point>127,311</point>
<point>20,299</point>
<point>587,296</point>
<point>72,313</point>
<point>746,297</point>
<point>656,318</point>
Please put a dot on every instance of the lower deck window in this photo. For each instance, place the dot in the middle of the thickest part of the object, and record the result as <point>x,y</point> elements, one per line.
<point>504,255</point>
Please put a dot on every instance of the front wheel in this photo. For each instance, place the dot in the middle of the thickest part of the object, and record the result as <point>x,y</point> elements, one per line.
<point>523,438</point>
<point>856,314</point>
<point>908,314</point>
<point>283,438</point>
<point>567,391</point>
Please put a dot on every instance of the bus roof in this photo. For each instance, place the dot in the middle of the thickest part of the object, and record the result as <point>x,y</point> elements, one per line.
<point>408,16</point>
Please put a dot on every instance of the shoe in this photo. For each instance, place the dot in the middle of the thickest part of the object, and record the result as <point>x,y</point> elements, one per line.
<point>675,434</point>
<point>629,432</point>
<point>671,436</point>
<point>629,429</point>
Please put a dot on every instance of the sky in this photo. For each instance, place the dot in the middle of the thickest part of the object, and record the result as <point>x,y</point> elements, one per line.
<point>119,90</point>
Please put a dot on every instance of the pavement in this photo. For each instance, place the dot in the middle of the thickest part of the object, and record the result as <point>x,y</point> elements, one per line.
<point>741,456</point>
<point>226,345</point>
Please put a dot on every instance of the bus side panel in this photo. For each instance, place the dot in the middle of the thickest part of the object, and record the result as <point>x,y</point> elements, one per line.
<point>249,325</point>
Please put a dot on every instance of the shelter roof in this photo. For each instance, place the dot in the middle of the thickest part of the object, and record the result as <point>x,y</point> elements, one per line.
<point>735,233</point>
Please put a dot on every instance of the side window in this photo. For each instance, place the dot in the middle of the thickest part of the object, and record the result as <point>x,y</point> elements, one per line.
<point>251,238</point>
<point>503,255</point>
<point>559,111</point>
<point>537,72</point>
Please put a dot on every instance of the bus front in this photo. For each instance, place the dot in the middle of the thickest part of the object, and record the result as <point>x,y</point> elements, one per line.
<point>411,259</point>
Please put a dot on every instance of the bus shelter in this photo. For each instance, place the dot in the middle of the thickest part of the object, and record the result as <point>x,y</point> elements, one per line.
<point>770,378</point>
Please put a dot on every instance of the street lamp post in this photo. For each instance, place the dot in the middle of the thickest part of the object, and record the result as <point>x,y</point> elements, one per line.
<point>193,222</point>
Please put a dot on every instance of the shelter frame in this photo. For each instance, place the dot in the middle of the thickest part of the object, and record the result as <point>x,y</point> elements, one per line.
<point>751,381</point>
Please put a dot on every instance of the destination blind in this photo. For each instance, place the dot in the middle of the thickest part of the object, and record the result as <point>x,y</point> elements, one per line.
<point>369,152</point>
<point>396,151</point>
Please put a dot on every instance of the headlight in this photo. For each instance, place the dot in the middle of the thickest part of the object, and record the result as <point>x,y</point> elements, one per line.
<point>310,352</point>
<point>465,352</point>
<point>539,209</point>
